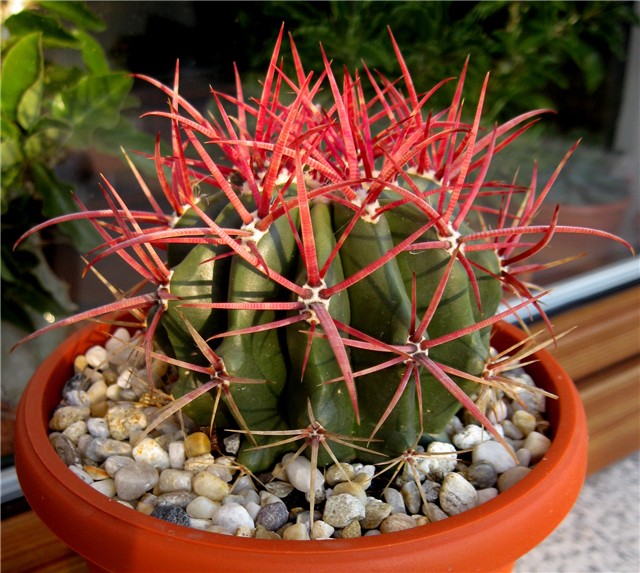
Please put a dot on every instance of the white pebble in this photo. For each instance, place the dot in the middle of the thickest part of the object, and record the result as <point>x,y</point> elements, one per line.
<point>299,473</point>
<point>297,532</point>
<point>202,508</point>
<point>438,465</point>
<point>524,457</point>
<point>457,494</point>
<point>470,437</point>
<point>174,480</point>
<point>394,498</point>
<point>98,427</point>
<point>321,530</point>
<point>83,475</point>
<point>97,357</point>
<point>105,487</point>
<point>177,455</point>
<point>494,453</point>
<point>149,451</point>
<point>231,517</point>
<point>340,510</point>
<point>210,486</point>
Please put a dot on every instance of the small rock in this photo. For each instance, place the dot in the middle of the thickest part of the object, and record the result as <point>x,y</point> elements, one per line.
<point>512,431</point>
<point>174,480</point>
<point>339,473</point>
<point>65,448</point>
<point>411,496</point>
<point>433,512</point>
<point>177,455</point>
<point>179,498</point>
<point>511,477</point>
<point>524,457</point>
<point>394,498</point>
<point>321,530</point>
<point>95,473</point>
<point>210,486</point>
<point>66,415</point>
<point>262,533</point>
<point>273,516</point>
<point>232,444</point>
<point>81,473</point>
<point>374,513</point>
<point>352,530</point>
<point>100,449</point>
<point>98,427</point>
<point>438,465</point>
<point>524,421</point>
<point>97,357</point>
<point>197,444</point>
<point>340,510</point>
<point>149,451</point>
<point>494,453</point>
<point>105,487</point>
<point>202,508</point>
<point>457,494</point>
<point>172,514</point>
<point>199,463</point>
<point>134,480</point>
<point>482,474</point>
<point>470,437</point>
<point>280,489</point>
<point>397,522</point>
<point>537,444</point>
<point>232,516</point>
<point>486,494</point>
<point>298,471</point>
<point>114,464</point>
<point>352,488</point>
<point>297,532</point>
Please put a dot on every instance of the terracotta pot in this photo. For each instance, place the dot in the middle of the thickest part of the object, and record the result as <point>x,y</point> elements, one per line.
<point>114,538</point>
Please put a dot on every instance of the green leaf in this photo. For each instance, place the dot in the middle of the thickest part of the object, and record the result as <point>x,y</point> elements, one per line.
<point>11,155</point>
<point>53,34</point>
<point>76,12</point>
<point>30,104</point>
<point>58,200</point>
<point>93,55</point>
<point>46,140</point>
<point>95,102</point>
<point>20,70</point>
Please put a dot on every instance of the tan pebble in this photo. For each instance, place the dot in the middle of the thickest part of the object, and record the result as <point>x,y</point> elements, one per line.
<point>537,444</point>
<point>197,444</point>
<point>363,480</point>
<point>245,531</point>
<point>397,522</point>
<point>80,363</point>
<point>110,377</point>
<point>297,531</point>
<point>97,392</point>
<point>199,463</point>
<point>352,530</point>
<point>421,520</point>
<point>263,533</point>
<point>352,488</point>
<point>524,421</point>
<point>67,415</point>
<point>208,485</point>
<point>338,473</point>
<point>99,409</point>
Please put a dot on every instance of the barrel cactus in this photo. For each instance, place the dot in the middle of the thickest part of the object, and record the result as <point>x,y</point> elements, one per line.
<point>325,269</point>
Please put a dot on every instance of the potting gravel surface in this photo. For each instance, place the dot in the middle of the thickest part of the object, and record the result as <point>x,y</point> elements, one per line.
<point>180,474</point>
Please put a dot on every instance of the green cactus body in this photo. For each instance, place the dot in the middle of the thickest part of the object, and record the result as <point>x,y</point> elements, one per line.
<point>322,324</point>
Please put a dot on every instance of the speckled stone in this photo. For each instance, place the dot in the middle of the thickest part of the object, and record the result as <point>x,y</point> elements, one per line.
<point>65,448</point>
<point>172,514</point>
<point>352,530</point>
<point>66,415</point>
<point>272,516</point>
<point>340,510</point>
<point>150,452</point>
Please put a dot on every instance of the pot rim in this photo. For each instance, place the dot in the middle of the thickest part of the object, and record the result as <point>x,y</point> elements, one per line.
<point>568,444</point>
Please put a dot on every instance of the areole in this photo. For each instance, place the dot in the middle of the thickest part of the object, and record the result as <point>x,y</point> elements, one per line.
<point>490,537</point>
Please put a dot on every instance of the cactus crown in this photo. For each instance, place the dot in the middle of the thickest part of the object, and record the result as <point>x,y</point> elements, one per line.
<point>334,276</point>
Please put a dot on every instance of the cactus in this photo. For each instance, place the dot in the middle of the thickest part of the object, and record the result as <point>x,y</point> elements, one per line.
<point>323,278</point>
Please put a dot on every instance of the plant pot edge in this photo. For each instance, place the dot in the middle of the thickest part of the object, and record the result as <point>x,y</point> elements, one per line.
<point>51,489</point>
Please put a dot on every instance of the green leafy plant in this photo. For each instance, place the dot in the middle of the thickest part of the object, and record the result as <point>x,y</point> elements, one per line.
<point>59,95</point>
<point>322,281</point>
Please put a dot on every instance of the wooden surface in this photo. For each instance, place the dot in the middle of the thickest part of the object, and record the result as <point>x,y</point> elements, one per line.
<point>602,355</point>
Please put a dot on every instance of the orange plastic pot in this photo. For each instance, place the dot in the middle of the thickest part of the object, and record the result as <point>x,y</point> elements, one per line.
<point>111,537</point>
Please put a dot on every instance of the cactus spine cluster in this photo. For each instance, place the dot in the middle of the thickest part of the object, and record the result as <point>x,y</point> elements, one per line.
<point>322,278</point>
